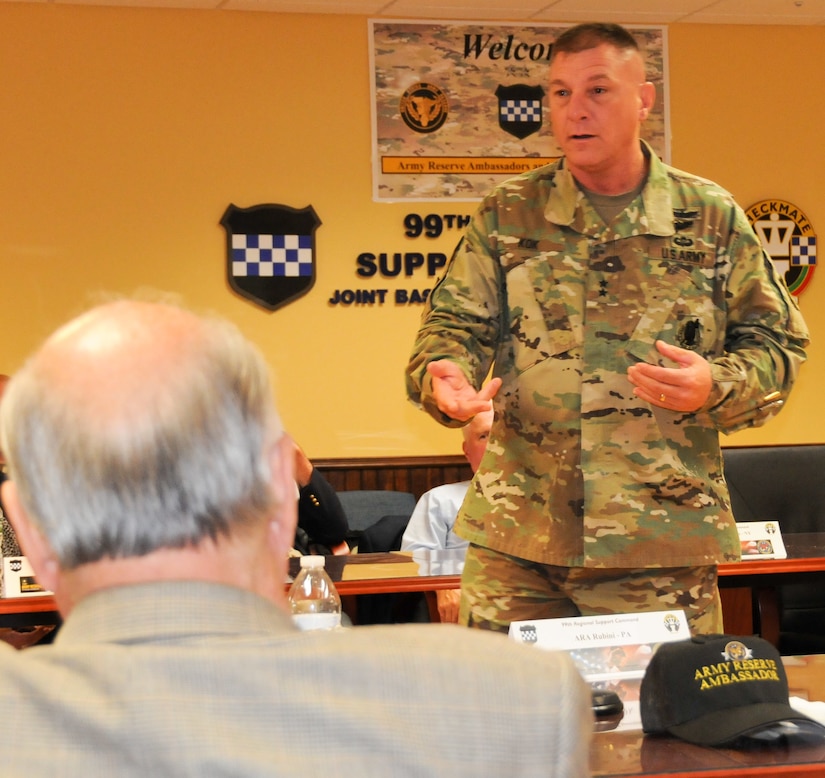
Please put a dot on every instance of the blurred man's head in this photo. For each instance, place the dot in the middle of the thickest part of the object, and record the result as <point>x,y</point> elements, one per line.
<point>138,427</point>
<point>476,433</point>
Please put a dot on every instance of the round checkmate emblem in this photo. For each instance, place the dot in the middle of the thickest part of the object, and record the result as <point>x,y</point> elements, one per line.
<point>788,237</point>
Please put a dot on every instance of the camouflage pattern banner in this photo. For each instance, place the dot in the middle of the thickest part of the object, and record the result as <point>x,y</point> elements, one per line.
<point>459,107</point>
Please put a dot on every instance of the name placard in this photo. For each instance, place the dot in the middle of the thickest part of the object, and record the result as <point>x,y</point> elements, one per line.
<point>611,651</point>
<point>18,578</point>
<point>616,645</point>
<point>761,540</point>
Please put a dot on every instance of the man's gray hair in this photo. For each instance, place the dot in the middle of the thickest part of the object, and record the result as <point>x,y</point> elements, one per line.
<point>185,461</point>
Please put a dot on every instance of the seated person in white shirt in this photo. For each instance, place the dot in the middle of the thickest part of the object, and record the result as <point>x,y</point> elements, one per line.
<point>432,521</point>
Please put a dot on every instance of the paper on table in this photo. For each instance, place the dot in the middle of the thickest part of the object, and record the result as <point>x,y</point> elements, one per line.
<point>813,709</point>
<point>378,571</point>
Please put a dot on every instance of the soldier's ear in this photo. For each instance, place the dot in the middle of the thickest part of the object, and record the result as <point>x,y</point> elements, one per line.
<point>647,97</point>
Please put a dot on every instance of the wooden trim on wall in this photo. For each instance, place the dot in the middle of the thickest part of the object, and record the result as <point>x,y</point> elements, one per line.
<point>415,474</point>
<point>401,474</point>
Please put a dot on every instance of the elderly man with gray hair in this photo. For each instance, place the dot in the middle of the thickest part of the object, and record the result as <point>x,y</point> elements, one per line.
<point>151,486</point>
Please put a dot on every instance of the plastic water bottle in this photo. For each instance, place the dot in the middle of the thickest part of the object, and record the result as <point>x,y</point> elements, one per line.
<point>313,597</point>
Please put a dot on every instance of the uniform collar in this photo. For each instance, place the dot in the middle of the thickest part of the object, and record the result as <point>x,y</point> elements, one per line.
<point>566,200</point>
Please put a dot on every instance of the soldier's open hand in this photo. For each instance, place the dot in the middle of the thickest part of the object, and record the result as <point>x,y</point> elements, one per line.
<point>455,395</point>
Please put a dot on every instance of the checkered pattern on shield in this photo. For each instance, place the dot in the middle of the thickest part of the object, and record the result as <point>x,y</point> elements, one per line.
<point>270,252</point>
<point>520,109</point>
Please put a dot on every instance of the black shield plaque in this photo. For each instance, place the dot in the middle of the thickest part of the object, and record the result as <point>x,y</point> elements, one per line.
<point>520,109</point>
<point>270,252</point>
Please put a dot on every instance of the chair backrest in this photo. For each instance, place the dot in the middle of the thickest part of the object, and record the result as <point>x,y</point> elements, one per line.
<point>366,506</point>
<point>785,484</point>
<point>778,483</point>
<point>384,535</point>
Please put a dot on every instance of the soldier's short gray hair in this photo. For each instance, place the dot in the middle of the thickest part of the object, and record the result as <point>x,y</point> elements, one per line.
<point>586,36</point>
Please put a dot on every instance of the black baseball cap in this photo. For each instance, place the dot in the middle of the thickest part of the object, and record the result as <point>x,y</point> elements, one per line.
<point>715,689</point>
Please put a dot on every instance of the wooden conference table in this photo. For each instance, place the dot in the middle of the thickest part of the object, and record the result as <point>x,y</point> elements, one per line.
<point>618,748</point>
<point>748,587</point>
<point>385,573</point>
<point>616,752</point>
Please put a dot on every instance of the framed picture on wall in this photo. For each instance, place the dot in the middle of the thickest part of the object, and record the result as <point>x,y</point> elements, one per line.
<point>459,107</point>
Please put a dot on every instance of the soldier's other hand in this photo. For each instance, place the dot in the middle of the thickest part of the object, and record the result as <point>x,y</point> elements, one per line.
<point>454,394</point>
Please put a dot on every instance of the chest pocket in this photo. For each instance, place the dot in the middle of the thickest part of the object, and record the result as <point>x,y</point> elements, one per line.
<point>543,304</point>
<point>678,304</point>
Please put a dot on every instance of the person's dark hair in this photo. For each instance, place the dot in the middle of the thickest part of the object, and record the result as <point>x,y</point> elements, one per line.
<point>591,34</point>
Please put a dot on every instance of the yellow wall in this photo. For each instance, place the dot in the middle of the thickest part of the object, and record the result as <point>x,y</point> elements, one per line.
<point>124,135</point>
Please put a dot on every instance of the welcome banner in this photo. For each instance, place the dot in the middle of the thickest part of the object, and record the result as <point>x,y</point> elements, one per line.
<point>459,107</point>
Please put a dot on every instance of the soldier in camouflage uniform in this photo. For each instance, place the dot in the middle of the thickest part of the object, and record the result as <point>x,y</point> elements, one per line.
<point>628,314</point>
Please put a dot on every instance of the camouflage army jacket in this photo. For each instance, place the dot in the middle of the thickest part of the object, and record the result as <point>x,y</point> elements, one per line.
<point>579,471</point>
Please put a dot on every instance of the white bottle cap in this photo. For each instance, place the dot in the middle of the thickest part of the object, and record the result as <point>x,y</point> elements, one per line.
<point>312,560</point>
